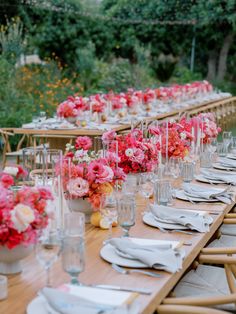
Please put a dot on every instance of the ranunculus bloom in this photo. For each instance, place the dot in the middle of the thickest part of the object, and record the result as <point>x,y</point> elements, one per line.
<point>138,155</point>
<point>78,187</point>
<point>83,142</point>
<point>106,175</point>
<point>22,216</point>
<point>6,180</point>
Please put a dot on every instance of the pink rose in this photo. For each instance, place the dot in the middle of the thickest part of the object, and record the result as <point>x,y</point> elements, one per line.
<point>108,136</point>
<point>78,187</point>
<point>83,142</point>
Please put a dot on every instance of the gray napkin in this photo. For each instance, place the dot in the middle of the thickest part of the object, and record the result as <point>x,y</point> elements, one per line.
<point>154,256</point>
<point>198,191</point>
<point>66,303</point>
<point>224,177</point>
<point>193,220</point>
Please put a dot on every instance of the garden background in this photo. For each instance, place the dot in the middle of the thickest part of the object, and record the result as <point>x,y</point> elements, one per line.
<point>89,46</point>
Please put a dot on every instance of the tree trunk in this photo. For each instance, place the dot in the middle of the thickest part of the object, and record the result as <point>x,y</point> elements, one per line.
<point>211,74</point>
<point>222,65</point>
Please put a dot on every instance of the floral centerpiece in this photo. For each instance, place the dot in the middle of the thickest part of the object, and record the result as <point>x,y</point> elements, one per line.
<point>87,175</point>
<point>136,153</point>
<point>22,213</point>
<point>17,172</point>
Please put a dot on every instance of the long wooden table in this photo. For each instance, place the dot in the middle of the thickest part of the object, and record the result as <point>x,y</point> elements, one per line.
<point>24,287</point>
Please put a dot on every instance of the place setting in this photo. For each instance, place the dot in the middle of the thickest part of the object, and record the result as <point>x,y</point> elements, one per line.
<point>216,177</point>
<point>76,297</point>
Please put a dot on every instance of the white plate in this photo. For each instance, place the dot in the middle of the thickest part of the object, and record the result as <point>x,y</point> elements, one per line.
<point>149,219</point>
<point>221,167</point>
<point>108,253</point>
<point>39,306</point>
<point>201,178</point>
<point>231,156</point>
<point>182,196</point>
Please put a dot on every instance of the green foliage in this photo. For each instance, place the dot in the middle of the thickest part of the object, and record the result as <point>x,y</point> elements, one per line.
<point>183,75</point>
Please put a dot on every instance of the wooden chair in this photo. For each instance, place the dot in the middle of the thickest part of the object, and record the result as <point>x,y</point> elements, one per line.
<point>54,140</point>
<point>185,309</point>
<point>191,291</point>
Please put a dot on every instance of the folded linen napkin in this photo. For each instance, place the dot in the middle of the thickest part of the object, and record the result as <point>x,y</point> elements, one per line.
<point>66,303</point>
<point>199,191</point>
<point>228,162</point>
<point>162,257</point>
<point>192,220</point>
<point>224,177</point>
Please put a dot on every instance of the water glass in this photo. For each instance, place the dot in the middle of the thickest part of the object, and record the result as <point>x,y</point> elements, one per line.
<point>131,183</point>
<point>74,224</point>
<point>206,159</point>
<point>233,145</point>
<point>162,192</point>
<point>221,149</point>
<point>174,166</point>
<point>109,214</point>
<point>146,186</point>
<point>126,207</point>
<point>73,257</point>
<point>187,170</point>
<point>227,137</point>
<point>47,250</point>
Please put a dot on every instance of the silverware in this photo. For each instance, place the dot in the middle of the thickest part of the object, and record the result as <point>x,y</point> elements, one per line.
<point>118,288</point>
<point>124,271</point>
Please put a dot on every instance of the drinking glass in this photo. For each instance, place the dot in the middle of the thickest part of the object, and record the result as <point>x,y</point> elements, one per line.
<point>73,257</point>
<point>227,136</point>
<point>233,145</point>
<point>174,166</point>
<point>74,224</point>
<point>109,214</point>
<point>126,213</point>
<point>162,192</point>
<point>146,187</point>
<point>221,149</point>
<point>206,157</point>
<point>47,250</point>
<point>187,170</point>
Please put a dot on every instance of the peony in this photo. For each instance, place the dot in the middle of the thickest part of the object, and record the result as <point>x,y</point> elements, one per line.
<point>106,175</point>
<point>22,216</point>
<point>78,187</point>
<point>83,142</point>
<point>108,136</point>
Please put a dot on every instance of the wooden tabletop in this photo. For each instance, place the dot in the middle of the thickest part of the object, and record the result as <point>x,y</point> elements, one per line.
<point>23,287</point>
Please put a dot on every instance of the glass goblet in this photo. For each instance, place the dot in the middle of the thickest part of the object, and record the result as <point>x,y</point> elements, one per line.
<point>47,250</point>
<point>73,258</point>
<point>146,187</point>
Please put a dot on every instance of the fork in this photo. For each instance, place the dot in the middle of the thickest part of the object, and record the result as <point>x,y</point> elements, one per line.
<point>123,271</point>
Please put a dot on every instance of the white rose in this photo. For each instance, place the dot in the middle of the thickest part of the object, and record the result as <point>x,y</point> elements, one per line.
<point>11,170</point>
<point>22,216</point>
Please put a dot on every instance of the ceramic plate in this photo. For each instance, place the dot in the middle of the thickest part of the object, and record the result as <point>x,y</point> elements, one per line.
<point>201,178</point>
<point>222,167</point>
<point>182,196</point>
<point>108,253</point>
<point>150,220</point>
<point>231,156</point>
<point>39,306</point>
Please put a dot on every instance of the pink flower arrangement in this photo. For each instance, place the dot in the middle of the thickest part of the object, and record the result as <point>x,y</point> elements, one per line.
<point>136,153</point>
<point>83,142</point>
<point>22,213</point>
<point>67,109</point>
<point>87,175</point>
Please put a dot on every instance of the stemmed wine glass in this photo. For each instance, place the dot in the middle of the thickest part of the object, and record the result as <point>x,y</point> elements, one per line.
<point>73,257</point>
<point>109,214</point>
<point>47,250</point>
<point>146,187</point>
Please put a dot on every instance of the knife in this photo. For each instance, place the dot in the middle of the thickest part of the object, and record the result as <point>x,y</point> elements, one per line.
<point>111,287</point>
